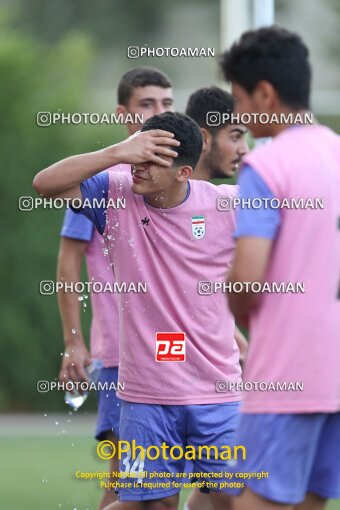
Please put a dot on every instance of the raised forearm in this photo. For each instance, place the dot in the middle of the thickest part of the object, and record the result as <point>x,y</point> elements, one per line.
<point>62,179</point>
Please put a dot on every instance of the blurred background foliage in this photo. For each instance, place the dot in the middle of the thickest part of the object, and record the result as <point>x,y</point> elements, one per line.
<point>67,56</point>
<point>36,76</point>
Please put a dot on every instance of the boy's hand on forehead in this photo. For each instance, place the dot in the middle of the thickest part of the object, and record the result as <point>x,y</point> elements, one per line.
<point>148,146</point>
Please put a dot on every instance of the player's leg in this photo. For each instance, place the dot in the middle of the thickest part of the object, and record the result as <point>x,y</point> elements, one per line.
<point>214,426</point>
<point>125,505</point>
<point>108,423</point>
<point>221,501</point>
<point>198,500</point>
<point>170,503</point>
<point>144,428</point>
<point>324,481</point>
<point>312,502</point>
<point>110,495</point>
<point>250,500</point>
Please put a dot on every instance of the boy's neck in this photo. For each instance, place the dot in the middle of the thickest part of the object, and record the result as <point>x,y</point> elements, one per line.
<point>170,199</point>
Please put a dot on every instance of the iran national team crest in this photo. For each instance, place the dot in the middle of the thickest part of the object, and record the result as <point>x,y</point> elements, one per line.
<point>198,227</point>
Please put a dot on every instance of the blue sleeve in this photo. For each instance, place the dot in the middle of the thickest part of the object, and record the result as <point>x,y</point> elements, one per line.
<point>96,190</point>
<point>77,226</point>
<point>255,222</point>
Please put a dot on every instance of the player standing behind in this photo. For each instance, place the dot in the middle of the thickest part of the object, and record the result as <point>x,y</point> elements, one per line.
<point>295,436</point>
<point>144,91</point>
<point>224,145</point>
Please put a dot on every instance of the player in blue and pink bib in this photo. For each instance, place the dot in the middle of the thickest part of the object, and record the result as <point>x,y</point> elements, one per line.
<point>170,395</point>
<point>294,436</point>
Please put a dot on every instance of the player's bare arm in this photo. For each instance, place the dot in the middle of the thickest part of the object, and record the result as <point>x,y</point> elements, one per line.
<point>250,264</point>
<point>76,356</point>
<point>63,179</point>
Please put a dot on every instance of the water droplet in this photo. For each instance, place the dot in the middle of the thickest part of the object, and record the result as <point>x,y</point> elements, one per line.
<point>80,298</point>
<point>73,331</point>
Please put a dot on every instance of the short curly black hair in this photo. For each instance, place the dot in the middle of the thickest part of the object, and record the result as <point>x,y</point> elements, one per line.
<point>273,54</point>
<point>209,99</point>
<point>185,130</point>
<point>140,77</point>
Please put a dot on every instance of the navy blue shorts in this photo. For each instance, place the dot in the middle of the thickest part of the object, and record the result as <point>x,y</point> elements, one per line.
<point>109,405</point>
<point>300,453</point>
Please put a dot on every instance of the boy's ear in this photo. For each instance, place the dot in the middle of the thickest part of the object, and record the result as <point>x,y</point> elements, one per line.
<point>184,173</point>
<point>207,140</point>
<point>267,94</point>
<point>121,109</point>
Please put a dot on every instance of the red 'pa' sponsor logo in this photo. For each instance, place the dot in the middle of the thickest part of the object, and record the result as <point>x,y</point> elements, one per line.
<point>170,346</point>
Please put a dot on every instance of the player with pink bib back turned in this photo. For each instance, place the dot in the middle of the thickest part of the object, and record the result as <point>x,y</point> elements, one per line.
<point>156,239</point>
<point>294,337</point>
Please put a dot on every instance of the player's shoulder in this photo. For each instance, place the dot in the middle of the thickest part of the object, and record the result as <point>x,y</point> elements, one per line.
<point>120,177</point>
<point>228,190</point>
<point>121,167</point>
<point>120,171</point>
<point>215,190</point>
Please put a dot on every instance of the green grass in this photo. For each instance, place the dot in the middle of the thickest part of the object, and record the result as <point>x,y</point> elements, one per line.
<point>333,505</point>
<point>39,473</point>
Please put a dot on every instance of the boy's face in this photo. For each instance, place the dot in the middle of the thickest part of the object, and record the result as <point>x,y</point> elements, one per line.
<point>256,102</point>
<point>228,146</point>
<point>147,102</point>
<point>150,179</point>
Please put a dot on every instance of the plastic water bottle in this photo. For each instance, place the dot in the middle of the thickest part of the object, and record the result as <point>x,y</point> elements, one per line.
<point>75,399</point>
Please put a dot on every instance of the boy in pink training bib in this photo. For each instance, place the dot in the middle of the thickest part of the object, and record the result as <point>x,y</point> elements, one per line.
<point>292,435</point>
<point>176,343</point>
